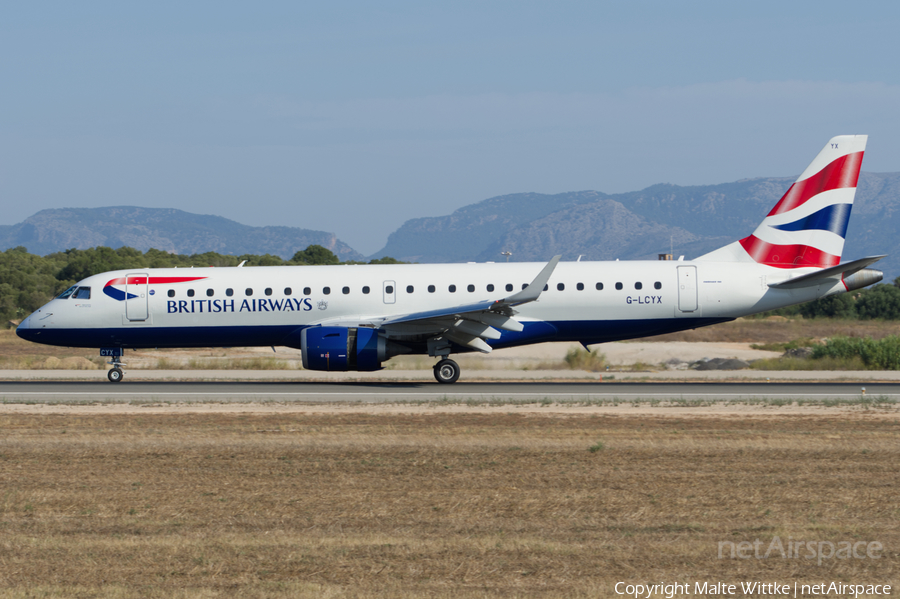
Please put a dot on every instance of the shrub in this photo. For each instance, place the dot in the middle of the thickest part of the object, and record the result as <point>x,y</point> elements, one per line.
<point>580,359</point>
<point>876,354</point>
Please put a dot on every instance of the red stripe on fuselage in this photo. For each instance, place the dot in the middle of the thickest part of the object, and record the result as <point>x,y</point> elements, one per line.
<point>843,172</point>
<point>787,256</point>
<point>153,280</point>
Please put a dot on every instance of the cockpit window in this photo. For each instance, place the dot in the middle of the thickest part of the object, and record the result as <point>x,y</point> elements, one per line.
<point>83,293</point>
<point>65,294</point>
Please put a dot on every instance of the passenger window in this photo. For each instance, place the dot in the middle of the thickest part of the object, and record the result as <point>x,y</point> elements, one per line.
<point>345,290</point>
<point>268,291</point>
<point>657,285</point>
<point>471,288</point>
<point>546,287</point>
<point>490,287</point>
<point>190,293</point>
<point>452,289</point>
<point>599,286</point>
<point>580,286</point>
<point>509,287</point>
<point>638,286</point>
<point>229,292</point>
<point>389,289</point>
<point>366,290</point>
<point>431,289</point>
<point>65,294</point>
<point>248,292</point>
<point>171,293</point>
<point>409,289</point>
<point>619,286</point>
<point>326,290</point>
<point>83,293</point>
<point>524,285</point>
<point>307,291</point>
<point>288,291</point>
<point>560,286</point>
<point>209,292</point>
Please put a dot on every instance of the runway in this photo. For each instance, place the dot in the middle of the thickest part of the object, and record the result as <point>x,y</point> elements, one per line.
<point>55,392</point>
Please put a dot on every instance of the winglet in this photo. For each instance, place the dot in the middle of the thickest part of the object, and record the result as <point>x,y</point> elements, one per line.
<point>533,291</point>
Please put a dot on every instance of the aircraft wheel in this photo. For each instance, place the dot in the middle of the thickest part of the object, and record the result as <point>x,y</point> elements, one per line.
<point>115,375</point>
<point>446,371</point>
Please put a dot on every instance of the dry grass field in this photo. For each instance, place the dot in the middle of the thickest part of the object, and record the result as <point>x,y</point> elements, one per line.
<point>434,504</point>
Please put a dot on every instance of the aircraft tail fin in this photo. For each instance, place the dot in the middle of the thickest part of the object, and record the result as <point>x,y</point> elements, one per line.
<point>806,228</point>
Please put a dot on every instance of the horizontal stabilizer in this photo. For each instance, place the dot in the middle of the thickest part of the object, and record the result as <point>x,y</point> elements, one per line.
<point>846,269</point>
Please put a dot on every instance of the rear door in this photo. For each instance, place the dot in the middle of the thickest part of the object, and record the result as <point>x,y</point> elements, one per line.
<point>136,296</point>
<point>687,289</point>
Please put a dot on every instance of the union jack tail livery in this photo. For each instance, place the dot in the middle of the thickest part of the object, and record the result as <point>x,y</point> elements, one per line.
<point>806,228</point>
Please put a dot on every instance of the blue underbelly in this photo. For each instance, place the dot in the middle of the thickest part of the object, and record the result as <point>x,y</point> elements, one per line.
<point>588,332</point>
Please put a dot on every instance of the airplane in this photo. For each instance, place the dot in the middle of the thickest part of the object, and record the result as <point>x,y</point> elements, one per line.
<point>356,317</point>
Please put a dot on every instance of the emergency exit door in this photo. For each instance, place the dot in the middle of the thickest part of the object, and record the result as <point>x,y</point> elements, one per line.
<point>390,292</point>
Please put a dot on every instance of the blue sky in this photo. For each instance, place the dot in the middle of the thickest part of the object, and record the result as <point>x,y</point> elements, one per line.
<point>353,117</point>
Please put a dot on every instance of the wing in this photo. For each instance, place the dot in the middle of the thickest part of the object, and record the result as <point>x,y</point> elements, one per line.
<point>467,325</point>
<point>472,324</point>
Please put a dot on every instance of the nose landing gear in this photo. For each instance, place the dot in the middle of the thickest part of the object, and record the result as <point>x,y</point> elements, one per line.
<point>116,373</point>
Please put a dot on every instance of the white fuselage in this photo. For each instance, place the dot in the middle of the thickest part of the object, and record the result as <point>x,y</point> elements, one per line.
<point>263,306</point>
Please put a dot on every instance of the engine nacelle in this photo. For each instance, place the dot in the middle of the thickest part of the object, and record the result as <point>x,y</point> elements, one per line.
<point>339,349</point>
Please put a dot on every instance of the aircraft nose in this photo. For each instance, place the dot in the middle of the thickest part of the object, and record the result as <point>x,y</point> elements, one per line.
<point>23,329</point>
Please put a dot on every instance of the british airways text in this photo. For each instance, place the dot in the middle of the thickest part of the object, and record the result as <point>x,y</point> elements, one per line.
<point>263,305</point>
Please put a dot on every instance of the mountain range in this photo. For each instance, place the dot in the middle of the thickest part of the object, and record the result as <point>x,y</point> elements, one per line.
<point>161,228</point>
<point>689,221</point>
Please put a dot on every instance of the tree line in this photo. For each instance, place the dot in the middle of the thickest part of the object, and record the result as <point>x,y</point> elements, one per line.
<point>28,281</point>
<point>879,302</point>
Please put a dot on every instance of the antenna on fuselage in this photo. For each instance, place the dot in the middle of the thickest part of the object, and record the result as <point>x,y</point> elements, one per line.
<point>242,263</point>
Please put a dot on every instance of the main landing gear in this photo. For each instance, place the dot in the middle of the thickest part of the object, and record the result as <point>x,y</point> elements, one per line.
<point>446,371</point>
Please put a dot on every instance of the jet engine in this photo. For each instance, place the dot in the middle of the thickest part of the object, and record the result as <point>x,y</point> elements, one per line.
<point>342,348</point>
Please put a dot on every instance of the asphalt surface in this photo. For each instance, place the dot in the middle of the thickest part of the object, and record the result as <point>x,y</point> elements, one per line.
<point>386,392</point>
